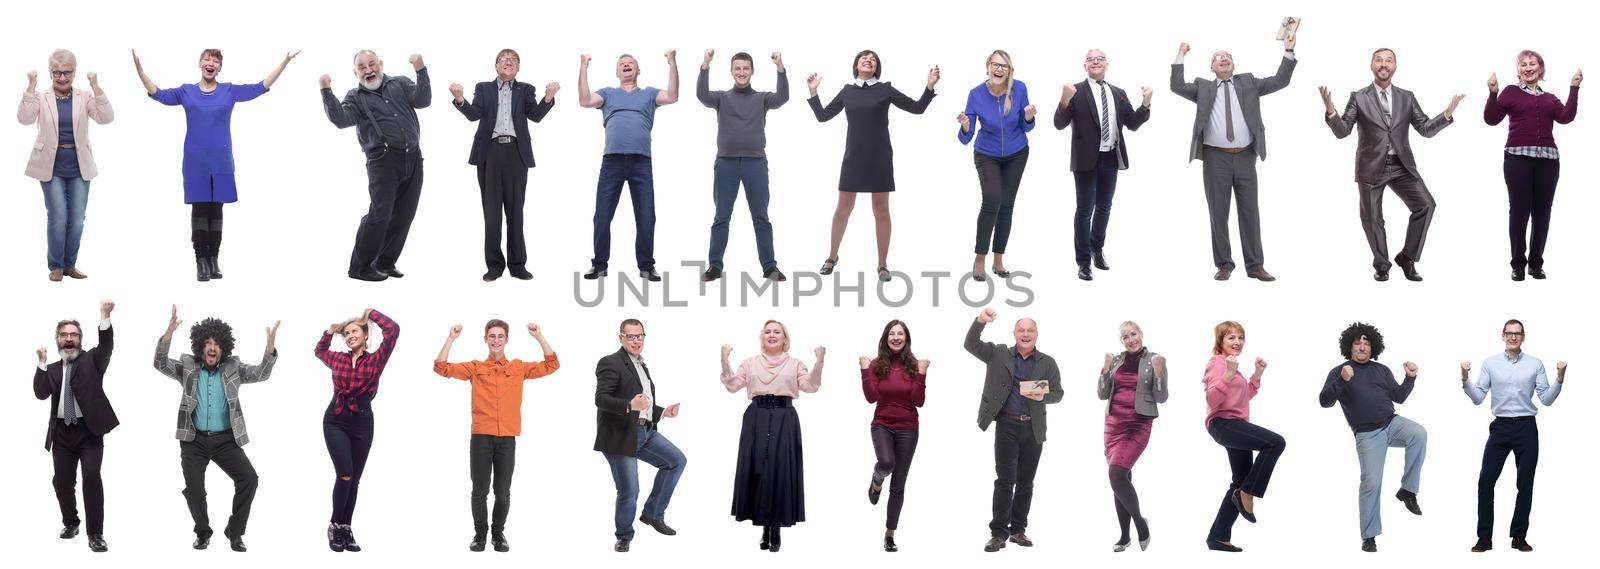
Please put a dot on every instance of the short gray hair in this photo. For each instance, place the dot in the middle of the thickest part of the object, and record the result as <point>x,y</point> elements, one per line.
<point>374,55</point>
<point>63,57</point>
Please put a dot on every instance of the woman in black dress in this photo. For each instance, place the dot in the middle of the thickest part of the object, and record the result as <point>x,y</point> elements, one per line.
<point>868,157</point>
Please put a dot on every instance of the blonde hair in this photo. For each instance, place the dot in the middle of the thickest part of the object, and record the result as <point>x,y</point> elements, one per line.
<point>761,337</point>
<point>1009,80</point>
<point>1126,325</point>
<point>63,57</point>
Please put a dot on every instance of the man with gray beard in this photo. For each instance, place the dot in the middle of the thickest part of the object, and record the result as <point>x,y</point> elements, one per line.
<point>383,110</point>
<point>80,417</point>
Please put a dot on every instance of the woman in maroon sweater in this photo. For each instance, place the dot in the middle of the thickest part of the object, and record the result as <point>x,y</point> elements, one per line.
<point>893,380</point>
<point>1532,163</point>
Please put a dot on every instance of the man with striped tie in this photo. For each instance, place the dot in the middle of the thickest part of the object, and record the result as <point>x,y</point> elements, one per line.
<point>1097,111</point>
<point>80,417</point>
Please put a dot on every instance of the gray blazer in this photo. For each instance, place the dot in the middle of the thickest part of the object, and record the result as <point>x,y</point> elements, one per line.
<point>1379,134</point>
<point>186,370</point>
<point>1152,388</point>
<point>1000,380</point>
<point>1249,90</point>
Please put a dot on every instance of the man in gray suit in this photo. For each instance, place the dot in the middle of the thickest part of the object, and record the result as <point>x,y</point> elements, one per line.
<point>1228,137</point>
<point>1383,159</point>
<point>1019,381</point>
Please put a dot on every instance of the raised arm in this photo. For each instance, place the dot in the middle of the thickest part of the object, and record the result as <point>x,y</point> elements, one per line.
<point>167,366</point>
<point>1493,111</point>
<point>915,107</point>
<point>1179,85</point>
<point>1427,127</point>
<point>99,107</point>
<point>702,84</point>
<point>1279,80</point>
<point>343,114</point>
<point>810,381</point>
<point>28,109</point>
<point>149,86</point>
<point>869,382</point>
<point>733,379</point>
<point>442,365</point>
<point>1400,391</point>
<point>258,373</point>
<point>974,342</point>
<point>1064,108</point>
<point>1135,117</point>
<point>549,365</point>
<point>1475,391</point>
<point>586,99</point>
<point>471,110</point>
<point>1103,387</point>
<point>1341,124</point>
<point>422,91</point>
<point>273,76</point>
<point>780,94</point>
<point>41,377</point>
<point>539,107</point>
<point>325,355</point>
<point>1569,111</point>
<point>670,96</point>
<point>1546,391</point>
<point>824,114</point>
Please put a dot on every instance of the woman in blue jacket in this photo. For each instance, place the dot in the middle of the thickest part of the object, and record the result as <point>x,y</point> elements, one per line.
<point>1000,108</point>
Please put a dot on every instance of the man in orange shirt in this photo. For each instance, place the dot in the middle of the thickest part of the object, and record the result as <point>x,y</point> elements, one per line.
<point>496,420</point>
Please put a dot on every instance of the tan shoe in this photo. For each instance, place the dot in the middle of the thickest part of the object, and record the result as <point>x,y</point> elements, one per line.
<point>55,276</point>
<point>75,273</point>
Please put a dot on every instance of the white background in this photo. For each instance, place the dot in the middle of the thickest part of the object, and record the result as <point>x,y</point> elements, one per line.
<point>302,190</point>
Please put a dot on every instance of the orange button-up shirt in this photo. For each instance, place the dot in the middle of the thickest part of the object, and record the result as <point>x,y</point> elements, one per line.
<point>497,390</point>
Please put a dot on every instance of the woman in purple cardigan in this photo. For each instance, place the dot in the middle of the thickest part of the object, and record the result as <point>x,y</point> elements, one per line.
<point>1532,163</point>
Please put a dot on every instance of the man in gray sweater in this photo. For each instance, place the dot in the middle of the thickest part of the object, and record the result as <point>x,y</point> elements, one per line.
<point>741,155</point>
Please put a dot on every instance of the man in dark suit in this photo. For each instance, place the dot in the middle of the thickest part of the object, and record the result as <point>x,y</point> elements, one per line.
<point>626,419</point>
<point>1097,111</point>
<point>503,153</point>
<point>1019,381</point>
<point>80,417</point>
<point>1385,115</point>
<point>1228,135</point>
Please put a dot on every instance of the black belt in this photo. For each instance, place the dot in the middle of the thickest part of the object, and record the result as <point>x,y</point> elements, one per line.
<point>1517,419</point>
<point>1021,418</point>
<point>212,433</point>
<point>504,139</point>
<point>67,146</point>
<point>771,401</point>
<point>1238,150</point>
<point>1391,158</point>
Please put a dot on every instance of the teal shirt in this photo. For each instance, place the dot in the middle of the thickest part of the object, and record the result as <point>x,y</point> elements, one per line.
<point>211,402</point>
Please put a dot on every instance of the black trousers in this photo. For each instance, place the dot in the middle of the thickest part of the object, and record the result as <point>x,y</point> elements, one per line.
<point>493,459</point>
<point>1418,200</point>
<point>999,179</point>
<point>349,439</point>
<point>1253,452</point>
<point>72,447</point>
<point>1531,186</point>
<point>503,185</point>
<point>1016,460</point>
<point>223,450</point>
<point>394,184</point>
<point>205,228</point>
<point>895,448</point>
<point>1095,189</point>
<point>1508,436</point>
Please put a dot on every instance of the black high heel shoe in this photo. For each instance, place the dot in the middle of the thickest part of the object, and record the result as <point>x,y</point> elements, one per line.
<point>776,540</point>
<point>827,266</point>
<point>1002,273</point>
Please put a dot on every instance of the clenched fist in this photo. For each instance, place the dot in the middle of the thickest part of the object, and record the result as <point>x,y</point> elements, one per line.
<point>986,316</point>
<point>1411,369</point>
<point>325,81</point>
<point>1347,372</point>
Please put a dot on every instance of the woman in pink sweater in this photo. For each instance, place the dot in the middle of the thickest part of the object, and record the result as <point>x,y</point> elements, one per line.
<point>1228,395</point>
<point>1532,162</point>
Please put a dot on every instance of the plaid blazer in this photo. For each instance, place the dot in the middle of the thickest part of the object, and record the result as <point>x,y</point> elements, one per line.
<point>186,371</point>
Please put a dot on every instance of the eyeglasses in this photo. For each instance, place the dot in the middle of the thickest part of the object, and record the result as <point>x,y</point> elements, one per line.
<point>62,72</point>
<point>1095,59</point>
<point>508,60</point>
<point>1512,334</point>
<point>633,337</point>
<point>1222,58</point>
<point>998,65</point>
<point>68,335</point>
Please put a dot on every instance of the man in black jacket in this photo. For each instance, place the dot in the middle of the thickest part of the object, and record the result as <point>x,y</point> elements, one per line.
<point>1018,382</point>
<point>1097,111</point>
<point>503,153</point>
<point>80,417</point>
<point>625,421</point>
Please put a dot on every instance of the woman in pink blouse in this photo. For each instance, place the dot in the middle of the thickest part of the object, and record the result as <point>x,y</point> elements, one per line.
<point>769,484</point>
<point>1228,395</point>
<point>895,382</point>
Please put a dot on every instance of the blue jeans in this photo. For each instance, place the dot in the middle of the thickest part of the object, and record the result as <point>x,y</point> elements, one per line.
<point>729,172</point>
<point>635,170</point>
<point>669,462</point>
<point>65,200</point>
<point>1371,448</point>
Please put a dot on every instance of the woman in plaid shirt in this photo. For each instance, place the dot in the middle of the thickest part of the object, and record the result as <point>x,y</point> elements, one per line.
<point>347,425</point>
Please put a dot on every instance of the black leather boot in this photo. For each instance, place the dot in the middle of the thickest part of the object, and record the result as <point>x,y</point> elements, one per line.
<point>211,263</point>
<point>202,269</point>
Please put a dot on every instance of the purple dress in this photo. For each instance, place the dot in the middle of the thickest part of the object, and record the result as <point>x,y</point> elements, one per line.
<point>1127,432</point>
<point>208,145</point>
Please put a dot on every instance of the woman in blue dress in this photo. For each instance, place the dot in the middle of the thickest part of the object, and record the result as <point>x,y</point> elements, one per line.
<point>208,149</point>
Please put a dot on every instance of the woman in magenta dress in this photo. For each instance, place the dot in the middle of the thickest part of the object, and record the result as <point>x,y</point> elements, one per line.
<point>895,382</point>
<point>1132,383</point>
<point>208,148</point>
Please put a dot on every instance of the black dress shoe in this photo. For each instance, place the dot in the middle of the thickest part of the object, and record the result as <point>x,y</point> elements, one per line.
<point>211,264</point>
<point>202,272</point>
<point>69,532</point>
<point>1521,544</point>
<point>594,273</point>
<point>650,274</point>
<point>1222,274</point>
<point>500,543</point>
<point>874,490</point>
<point>97,544</point>
<point>1215,545</point>
<point>766,537</point>
<point>1536,273</point>
<point>1121,545</point>
<point>777,540</point>
<point>1380,275</point>
<point>711,274</point>
<point>477,544</point>
<point>994,544</point>
<point>1021,539</point>
<point>393,273</point>
<point>1369,545</point>
<point>1085,274</point>
<point>1410,499</point>
<point>1484,544</point>
<point>621,546</point>
<point>1100,261</point>
<point>236,543</point>
<point>1517,275</point>
<point>1238,504</point>
<point>659,525</point>
<point>520,274</point>
<point>1409,268</point>
<point>773,274</point>
<point>889,545</point>
<point>491,276</point>
<point>368,274</point>
<point>201,542</point>
<point>1261,274</point>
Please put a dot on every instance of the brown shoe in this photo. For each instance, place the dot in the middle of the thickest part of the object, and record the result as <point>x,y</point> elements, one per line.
<point>1021,539</point>
<point>1223,274</point>
<point>1262,275</point>
<point>995,544</point>
<point>55,276</point>
<point>75,273</point>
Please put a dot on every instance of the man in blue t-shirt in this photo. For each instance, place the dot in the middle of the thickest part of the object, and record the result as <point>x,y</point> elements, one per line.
<point>628,113</point>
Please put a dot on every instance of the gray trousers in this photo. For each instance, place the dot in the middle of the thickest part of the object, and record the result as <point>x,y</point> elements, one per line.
<point>1226,176</point>
<point>1417,199</point>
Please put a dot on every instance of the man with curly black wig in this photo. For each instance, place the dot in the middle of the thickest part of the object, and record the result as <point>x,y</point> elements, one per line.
<point>1366,391</point>
<point>211,420</point>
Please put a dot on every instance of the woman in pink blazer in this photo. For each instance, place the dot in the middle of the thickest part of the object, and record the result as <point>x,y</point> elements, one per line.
<point>62,158</point>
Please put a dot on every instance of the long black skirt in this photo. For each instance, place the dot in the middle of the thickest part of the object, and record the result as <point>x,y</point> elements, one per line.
<point>769,485</point>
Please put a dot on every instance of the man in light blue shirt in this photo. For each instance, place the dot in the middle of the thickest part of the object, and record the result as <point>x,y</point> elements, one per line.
<point>1511,380</point>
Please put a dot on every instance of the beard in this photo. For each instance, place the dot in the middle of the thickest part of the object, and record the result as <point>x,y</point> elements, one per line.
<point>69,354</point>
<point>373,84</point>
